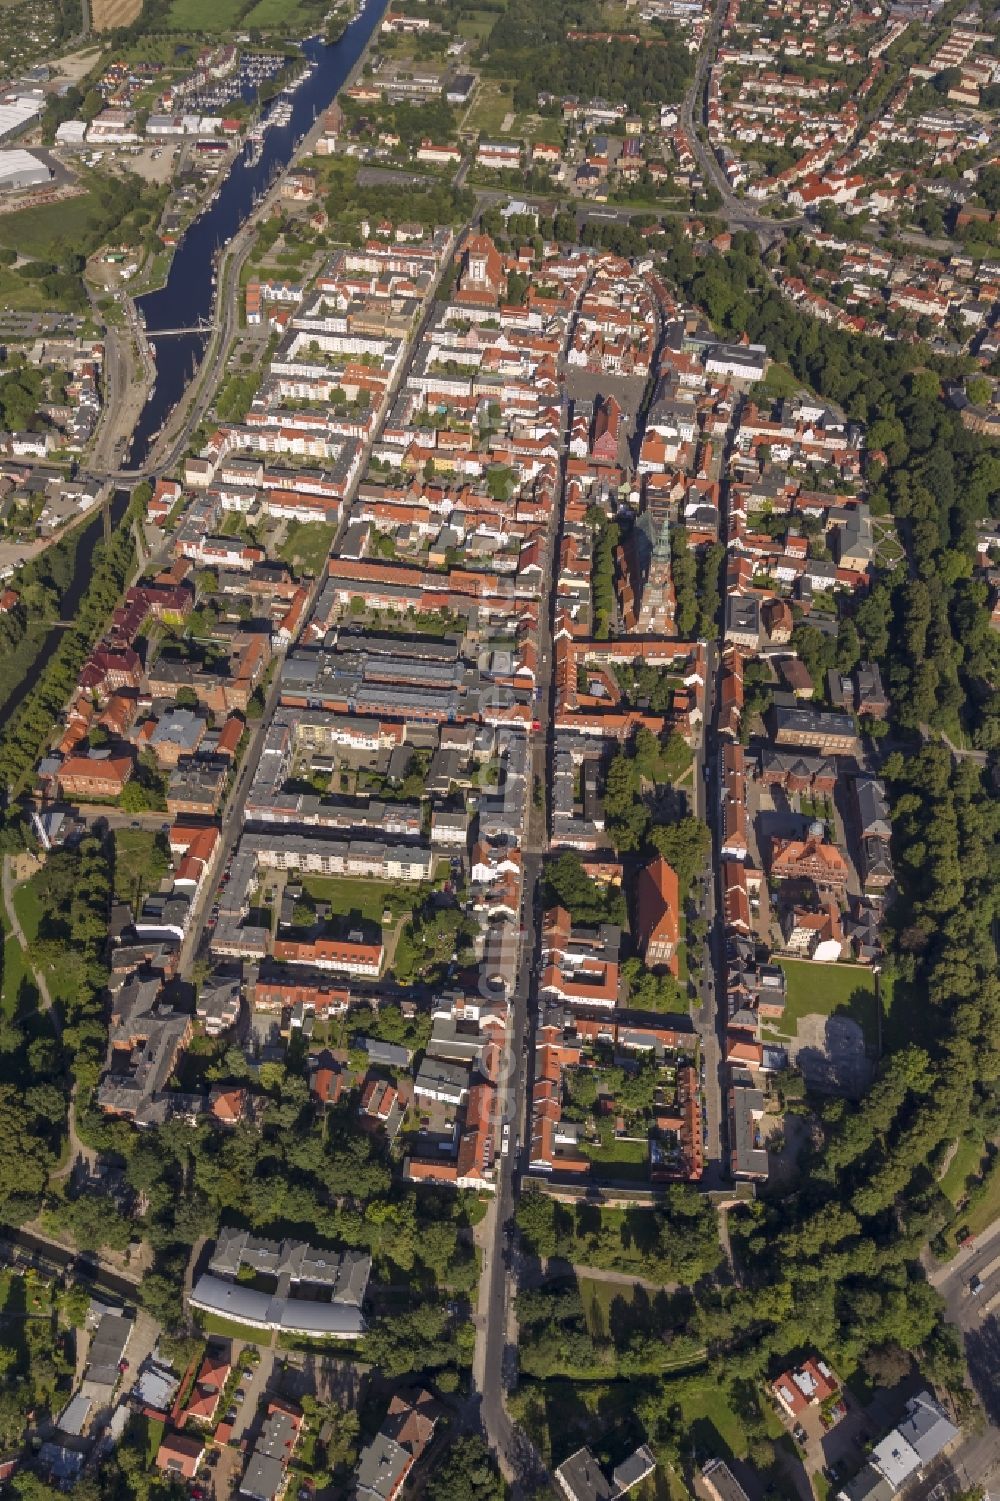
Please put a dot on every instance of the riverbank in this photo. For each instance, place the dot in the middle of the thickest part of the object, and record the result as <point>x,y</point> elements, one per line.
<point>219,240</point>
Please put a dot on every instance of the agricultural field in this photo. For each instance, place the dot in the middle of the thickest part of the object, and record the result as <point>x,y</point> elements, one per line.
<point>107,14</point>
<point>294,17</point>
<point>195,15</point>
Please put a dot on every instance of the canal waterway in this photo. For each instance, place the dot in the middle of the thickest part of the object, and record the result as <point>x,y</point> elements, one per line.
<point>189,293</point>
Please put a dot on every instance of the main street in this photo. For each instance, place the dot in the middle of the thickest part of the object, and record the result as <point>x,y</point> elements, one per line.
<point>495,1357</point>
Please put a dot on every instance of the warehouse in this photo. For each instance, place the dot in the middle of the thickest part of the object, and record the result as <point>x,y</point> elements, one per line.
<point>16,111</point>
<point>19,169</point>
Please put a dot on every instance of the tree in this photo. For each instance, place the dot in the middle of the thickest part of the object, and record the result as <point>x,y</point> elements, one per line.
<point>684,845</point>
<point>566,884</point>
<point>468,1472</point>
<point>848,646</point>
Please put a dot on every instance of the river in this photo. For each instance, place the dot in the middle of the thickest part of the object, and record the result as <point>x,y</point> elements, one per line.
<point>189,292</point>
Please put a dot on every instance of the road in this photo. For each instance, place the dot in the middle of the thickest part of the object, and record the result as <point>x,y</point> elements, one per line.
<point>495,1353</point>
<point>977,1319</point>
<point>710,981</point>
<point>738,213</point>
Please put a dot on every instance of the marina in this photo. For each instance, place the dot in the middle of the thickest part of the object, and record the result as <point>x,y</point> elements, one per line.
<point>188,295</point>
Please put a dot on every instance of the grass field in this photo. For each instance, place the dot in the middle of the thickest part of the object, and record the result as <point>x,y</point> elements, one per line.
<point>828,990</point>
<point>195,15</point>
<point>561,1415</point>
<point>597,1298</point>
<point>985,1208</point>
<point>974,1161</point>
<point>488,109</point>
<point>29,911</point>
<point>476,24</point>
<point>155,1429</point>
<point>211,1324</point>
<point>33,231</point>
<point>283,14</point>
<point>22,296</point>
<point>966,1161</point>
<point>16,975</point>
<point>307,545</point>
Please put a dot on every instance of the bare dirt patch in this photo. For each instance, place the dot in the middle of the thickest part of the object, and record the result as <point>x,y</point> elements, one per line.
<point>76,65</point>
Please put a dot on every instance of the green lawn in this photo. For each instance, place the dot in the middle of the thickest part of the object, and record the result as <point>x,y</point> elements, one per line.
<point>155,1429</point>
<point>619,1159</point>
<point>369,898</point>
<point>966,1162</point>
<point>227,1328</point>
<point>538,128</point>
<point>561,1415</point>
<point>28,909</point>
<point>779,381</point>
<point>597,1298</point>
<point>307,546</point>
<point>713,1425</point>
<point>21,295</point>
<point>828,990</point>
<point>985,1208</point>
<point>16,976</point>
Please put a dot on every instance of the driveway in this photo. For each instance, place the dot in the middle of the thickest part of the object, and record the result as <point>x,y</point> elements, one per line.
<point>255,1387</point>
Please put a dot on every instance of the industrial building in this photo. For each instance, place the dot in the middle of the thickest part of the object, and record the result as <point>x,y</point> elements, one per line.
<point>19,169</point>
